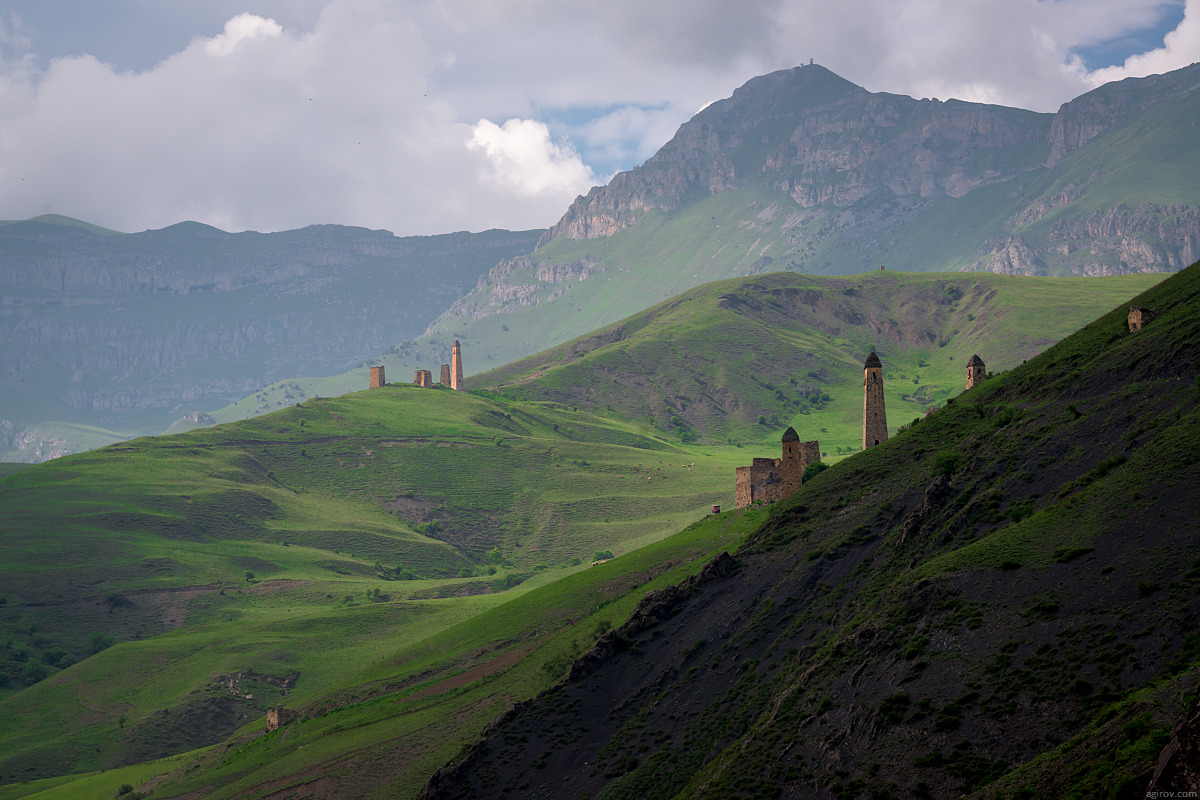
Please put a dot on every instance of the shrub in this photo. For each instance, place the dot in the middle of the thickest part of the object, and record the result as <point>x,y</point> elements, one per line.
<point>945,464</point>
<point>33,672</point>
<point>813,470</point>
<point>602,555</point>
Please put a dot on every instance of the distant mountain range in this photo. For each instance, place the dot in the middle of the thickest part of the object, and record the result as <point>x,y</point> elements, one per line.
<point>104,332</point>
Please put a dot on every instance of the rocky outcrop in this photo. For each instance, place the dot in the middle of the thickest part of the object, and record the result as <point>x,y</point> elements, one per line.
<point>1113,241</point>
<point>827,142</point>
<point>1084,118</point>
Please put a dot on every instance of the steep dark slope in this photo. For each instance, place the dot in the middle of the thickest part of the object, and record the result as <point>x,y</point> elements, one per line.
<point>1000,601</point>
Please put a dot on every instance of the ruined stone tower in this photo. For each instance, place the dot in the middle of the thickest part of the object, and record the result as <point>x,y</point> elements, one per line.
<point>874,413</point>
<point>976,371</point>
<point>456,376</point>
<point>767,480</point>
<point>423,378</point>
<point>377,380</point>
<point>445,381</point>
<point>1138,317</point>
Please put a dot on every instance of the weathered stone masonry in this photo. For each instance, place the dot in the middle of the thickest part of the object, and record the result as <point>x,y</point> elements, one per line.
<point>875,430</point>
<point>767,480</point>
<point>976,371</point>
<point>377,379</point>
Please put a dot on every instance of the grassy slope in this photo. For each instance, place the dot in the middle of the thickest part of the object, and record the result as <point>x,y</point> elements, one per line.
<point>314,501</point>
<point>712,361</point>
<point>1027,629</point>
<point>296,498</point>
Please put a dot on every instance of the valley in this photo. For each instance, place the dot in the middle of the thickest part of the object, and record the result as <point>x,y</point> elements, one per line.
<point>239,572</point>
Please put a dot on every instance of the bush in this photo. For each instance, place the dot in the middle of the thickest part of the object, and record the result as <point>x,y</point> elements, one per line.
<point>813,470</point>
<point>33,672</point>
<point>602,555</point>
<point>100,641</point>
<point>946,464</point>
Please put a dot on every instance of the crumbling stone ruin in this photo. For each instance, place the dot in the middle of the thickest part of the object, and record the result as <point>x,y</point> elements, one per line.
<point>976,371</point>
<point>452,373</point>
<point>1138,317</point>
<point>279,717</point>
<point>456,376</point>
<point>874,413</point>
<point>769,479</point>
<point>377,379</point>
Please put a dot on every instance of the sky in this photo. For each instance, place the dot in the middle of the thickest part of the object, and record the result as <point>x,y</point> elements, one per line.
<point>432,116</point>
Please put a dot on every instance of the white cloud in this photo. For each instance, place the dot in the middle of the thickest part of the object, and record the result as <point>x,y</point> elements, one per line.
<point>1180,48</point>
<point>524,159</point>
<point>239,29</point>
<point>378,112</point>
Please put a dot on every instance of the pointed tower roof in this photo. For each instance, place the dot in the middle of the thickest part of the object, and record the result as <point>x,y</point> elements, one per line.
<point>975,361</point>
<point>873,362</point>
<point>790,435</point>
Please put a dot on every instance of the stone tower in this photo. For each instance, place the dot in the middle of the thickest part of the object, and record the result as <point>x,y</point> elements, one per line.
<point>1138,317</point>
<point>456,376</point>
<point>874,413</point>
<point>377,380</point>
<point>791,465</point>
<point>445,381</point>
<point>976,371</point>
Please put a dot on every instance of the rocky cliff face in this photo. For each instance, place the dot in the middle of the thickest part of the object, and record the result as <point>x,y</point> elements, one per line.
<point>830,146</point>
<point>820,140</point>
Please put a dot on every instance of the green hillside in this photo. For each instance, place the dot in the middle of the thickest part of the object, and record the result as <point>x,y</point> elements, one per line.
<point>162,593</point>
<point>737,360</point>
<point>999,602</point>
<point>706,364</point>
<point>402,565</point>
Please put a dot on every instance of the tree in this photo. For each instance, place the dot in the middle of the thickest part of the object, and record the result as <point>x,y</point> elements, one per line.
<point>249,575</point>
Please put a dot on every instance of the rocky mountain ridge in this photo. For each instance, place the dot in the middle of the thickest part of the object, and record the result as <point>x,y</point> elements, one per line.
<point>803,171</point>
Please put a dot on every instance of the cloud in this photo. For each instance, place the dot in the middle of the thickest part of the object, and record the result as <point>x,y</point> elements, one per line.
<point>387,113</point>
<point>1180,48</point>
<point>525,160</point>
<point>238,30</point>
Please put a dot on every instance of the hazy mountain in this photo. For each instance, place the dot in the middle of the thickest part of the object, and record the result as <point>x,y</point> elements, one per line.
<point>130,332</point>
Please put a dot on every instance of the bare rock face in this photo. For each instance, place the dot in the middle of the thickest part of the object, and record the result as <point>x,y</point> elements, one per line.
<point>829,142</point>
<point>1178,768</point>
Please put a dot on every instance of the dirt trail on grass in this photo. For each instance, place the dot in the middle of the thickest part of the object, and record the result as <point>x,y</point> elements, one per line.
<point>497,664</point>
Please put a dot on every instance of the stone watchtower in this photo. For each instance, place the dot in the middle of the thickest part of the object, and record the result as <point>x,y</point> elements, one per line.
<point>445,381</point>
<point>456,376</point>
<point>1138,317</point>
<point>875,428</point>
<point>377,380</point>
<point>976,371</point>
<point>423,378</point>
<point>791,465</point>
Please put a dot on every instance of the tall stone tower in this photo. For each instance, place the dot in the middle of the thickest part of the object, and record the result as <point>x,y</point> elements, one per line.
<point>874,413</point>
<point>791,465</point>
<point>456,376</point>
<point>377,379</point>
<point>976,371</point>
<point>445,381</point>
